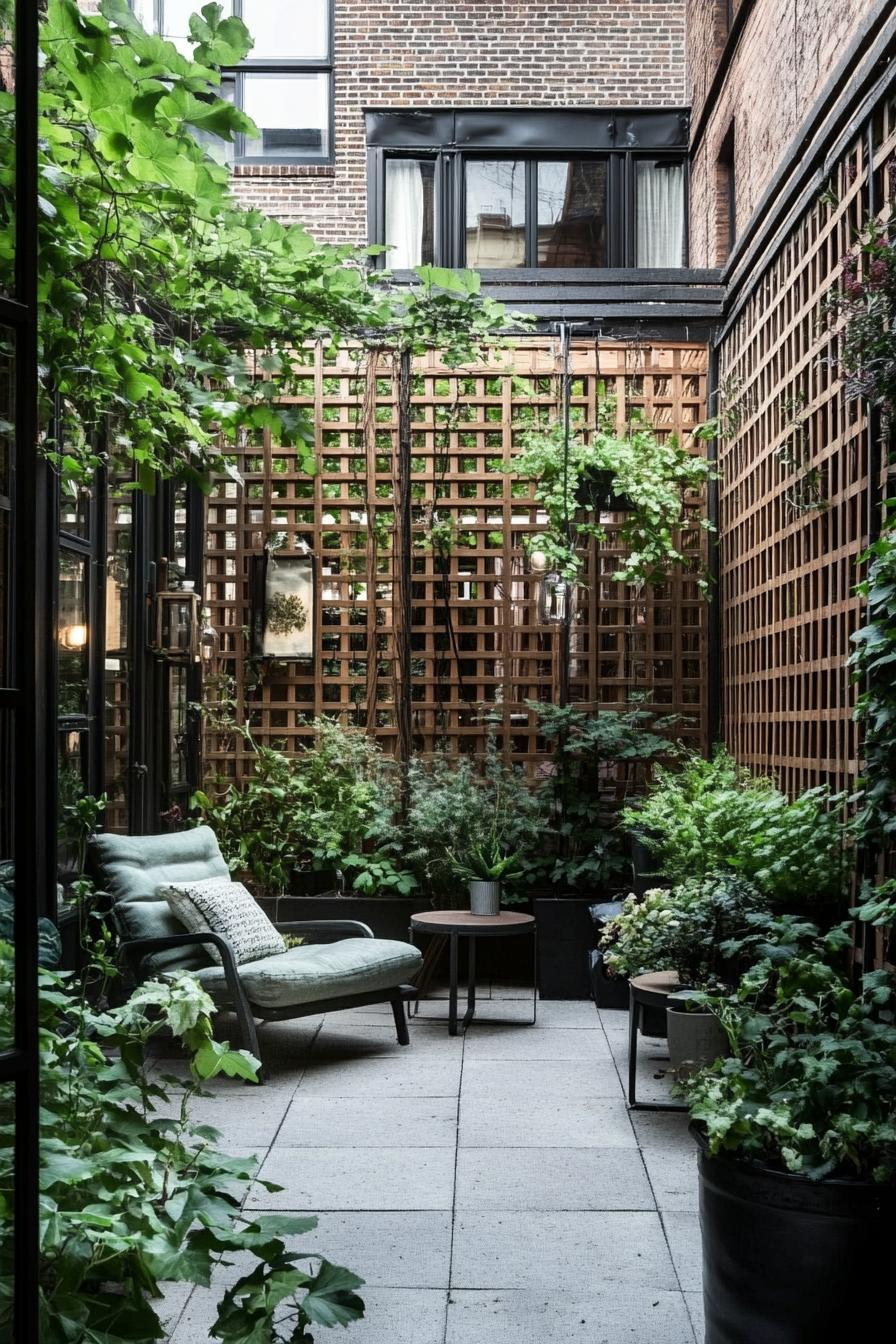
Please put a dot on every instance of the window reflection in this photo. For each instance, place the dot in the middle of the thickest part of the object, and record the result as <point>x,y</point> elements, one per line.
<point>572,213</point>
<point>496,213</point>
<point>292,113</point>
<point>72,634</point>
<point>116,662</point>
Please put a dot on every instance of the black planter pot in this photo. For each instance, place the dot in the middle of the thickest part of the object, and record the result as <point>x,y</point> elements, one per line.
<point>787,1260</point>
<point>607,991</point>
<point>595,492</point>
<point>565,939</point>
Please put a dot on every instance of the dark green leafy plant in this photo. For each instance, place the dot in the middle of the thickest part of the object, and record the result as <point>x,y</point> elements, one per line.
<point>599,759</point>
<point>170,315</point>
<point>131,1200</point>
<point>155,286</point>
<point>486,863</point>
<point>810,1086</point>
<point>872,666</point>
<point>683,929</point>
<point>707,817</point>
<point>330,807</point>
<point>654,476</point>
<point>458,808</point>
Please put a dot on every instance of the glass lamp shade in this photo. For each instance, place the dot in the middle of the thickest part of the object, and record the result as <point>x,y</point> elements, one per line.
<point>177,625</point>
<point>209,644</point>
<point>556,599</point>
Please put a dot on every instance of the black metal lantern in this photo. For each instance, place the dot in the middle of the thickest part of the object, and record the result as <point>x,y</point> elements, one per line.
<point>177,624</point>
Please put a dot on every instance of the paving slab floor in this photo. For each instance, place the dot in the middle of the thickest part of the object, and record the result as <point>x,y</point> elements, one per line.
<point>489,1189</point>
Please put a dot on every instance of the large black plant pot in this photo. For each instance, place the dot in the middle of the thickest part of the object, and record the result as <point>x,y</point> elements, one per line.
<point>787,1260</point>
<point>565,939</point>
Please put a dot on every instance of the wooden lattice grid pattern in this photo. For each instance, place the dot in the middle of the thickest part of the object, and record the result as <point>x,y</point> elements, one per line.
<point>492,652</point>
<point>788,572</point>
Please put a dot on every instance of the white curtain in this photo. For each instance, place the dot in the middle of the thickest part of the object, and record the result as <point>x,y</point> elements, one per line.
<point>404,214</point>
<point>660,194</point>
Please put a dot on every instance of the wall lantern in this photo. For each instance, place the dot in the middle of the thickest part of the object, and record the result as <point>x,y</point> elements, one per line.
<point>555,599</point>
<point>73,637</point>
<point>177,624</point>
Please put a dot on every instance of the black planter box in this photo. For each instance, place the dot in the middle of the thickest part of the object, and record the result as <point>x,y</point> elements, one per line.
<point>388,916</point>
<point>565,939</point>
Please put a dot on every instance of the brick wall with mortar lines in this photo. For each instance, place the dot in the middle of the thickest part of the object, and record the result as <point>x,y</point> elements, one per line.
<point>481,53</point>
<point>787,52</point>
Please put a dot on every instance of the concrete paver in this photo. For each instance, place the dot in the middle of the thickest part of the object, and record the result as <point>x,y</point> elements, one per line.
<point>492,1189</point>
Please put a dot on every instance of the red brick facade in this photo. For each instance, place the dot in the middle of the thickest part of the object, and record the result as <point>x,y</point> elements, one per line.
<point>784,57</point>
<point>486,53</point>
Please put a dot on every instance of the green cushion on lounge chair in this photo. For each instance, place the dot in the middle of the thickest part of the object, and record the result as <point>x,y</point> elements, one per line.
<point>133,868</point>
<point>320,971</point>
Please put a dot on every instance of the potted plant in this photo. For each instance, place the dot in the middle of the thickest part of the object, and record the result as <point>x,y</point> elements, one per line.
<point>797,1142</point>
<point>688,929</point>
<point>303,828</point>
<point>598,759</point>
<point>701,817</point>
<point>484,869</point>
<point>600,468</point>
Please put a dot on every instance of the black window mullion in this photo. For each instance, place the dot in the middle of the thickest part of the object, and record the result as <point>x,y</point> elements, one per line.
<point>531,213</point>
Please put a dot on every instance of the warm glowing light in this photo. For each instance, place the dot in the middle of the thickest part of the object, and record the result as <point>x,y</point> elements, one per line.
<point>74,636</point>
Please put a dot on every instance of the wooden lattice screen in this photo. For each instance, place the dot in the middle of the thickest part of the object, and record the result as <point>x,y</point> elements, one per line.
<point>793,441</point>
<point>475,636</point>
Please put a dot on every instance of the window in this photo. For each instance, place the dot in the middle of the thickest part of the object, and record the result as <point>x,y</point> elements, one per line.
<point>572,213</point>
<point>726,200</point>
<point>659,196</point>
<point>285,84</point>
<point>410,212</point>
<point>447,187</point>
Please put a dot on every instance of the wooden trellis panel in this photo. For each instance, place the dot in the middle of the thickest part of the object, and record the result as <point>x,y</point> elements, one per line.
<point>789,569</point>
<point>476,640</point>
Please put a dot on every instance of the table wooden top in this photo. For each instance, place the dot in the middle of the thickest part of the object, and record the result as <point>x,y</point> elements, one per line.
<point>462,921</point>
<point>656,982</point>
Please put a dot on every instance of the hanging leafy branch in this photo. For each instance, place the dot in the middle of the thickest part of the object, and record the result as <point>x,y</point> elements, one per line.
<point>169,314</point>
<point>574,484</point>
<point>873,665</point>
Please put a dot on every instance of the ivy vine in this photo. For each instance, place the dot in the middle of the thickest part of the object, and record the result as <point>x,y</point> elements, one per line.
<point>653,476</point>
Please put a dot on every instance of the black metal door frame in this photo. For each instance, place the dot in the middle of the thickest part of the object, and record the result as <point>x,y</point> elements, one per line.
<point>25,694</point>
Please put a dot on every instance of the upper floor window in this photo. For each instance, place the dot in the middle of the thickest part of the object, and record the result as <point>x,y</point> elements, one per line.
<point>286,82</point>
<point>493,190</point>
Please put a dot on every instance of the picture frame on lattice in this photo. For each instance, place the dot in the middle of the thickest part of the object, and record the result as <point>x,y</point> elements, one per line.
<point>283,591</point>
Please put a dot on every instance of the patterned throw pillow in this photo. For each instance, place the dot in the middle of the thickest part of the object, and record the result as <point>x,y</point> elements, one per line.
<point>225,907</point>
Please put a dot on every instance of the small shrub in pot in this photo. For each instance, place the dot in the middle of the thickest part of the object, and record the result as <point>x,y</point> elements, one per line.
<point>797,1130</point>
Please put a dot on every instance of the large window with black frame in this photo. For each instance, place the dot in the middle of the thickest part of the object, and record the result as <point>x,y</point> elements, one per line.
<point>493,190</point>
<point>285,84</point>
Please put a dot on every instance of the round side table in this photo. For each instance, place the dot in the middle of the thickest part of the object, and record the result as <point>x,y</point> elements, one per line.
<point>455,924</point>
<point>647,991</point>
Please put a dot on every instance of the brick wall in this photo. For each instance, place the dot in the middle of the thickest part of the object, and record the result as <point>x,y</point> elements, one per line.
<point>486,53</point>
<point>787,52</point>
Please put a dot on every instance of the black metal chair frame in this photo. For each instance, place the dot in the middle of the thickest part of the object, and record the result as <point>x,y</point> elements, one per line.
<point>136,950</point>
